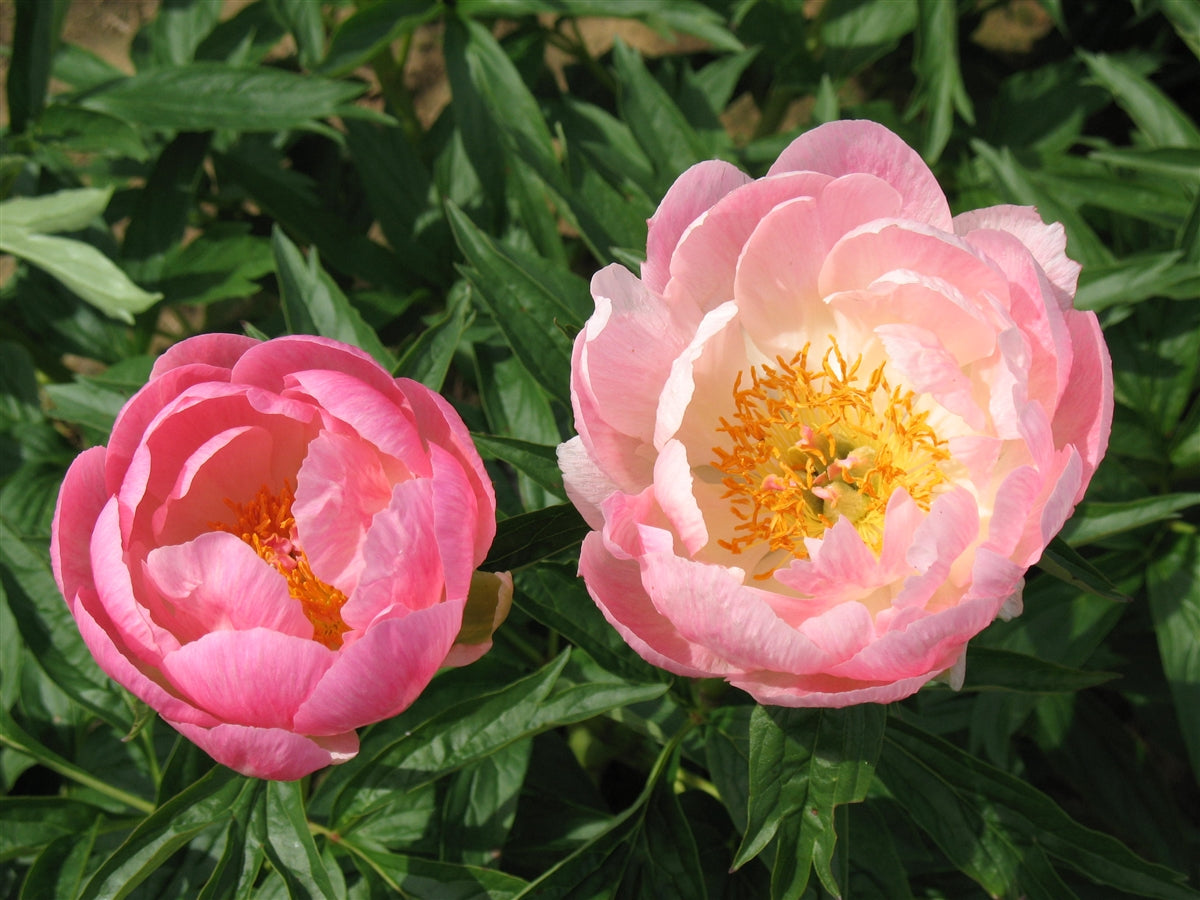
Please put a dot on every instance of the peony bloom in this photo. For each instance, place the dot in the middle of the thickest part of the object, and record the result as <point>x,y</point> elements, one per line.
<point>276,547</point>
<point>824,435</point>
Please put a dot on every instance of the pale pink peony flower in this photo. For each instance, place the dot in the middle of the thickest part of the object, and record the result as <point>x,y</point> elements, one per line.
<point>824,435</point>
<point>276,547</point>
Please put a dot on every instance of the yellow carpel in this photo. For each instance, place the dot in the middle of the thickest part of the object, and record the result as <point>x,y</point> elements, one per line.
<point>266,523</point>
<point>807,447</point>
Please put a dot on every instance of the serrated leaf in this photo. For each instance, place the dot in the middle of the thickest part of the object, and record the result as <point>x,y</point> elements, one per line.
<point>314,304</point>
<point>70,210</point>
<point>204,96</point>
<point>83,269</point>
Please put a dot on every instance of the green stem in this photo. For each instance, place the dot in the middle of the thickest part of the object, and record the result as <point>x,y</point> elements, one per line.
<point>57,764</point>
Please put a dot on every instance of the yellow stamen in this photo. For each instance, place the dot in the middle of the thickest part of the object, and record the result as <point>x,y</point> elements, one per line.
<point>266,524</point>
<point>811,447</point>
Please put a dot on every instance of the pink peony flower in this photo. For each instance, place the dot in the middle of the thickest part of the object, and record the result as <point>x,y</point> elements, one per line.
<point>276,547</point>
<point>824,435</point>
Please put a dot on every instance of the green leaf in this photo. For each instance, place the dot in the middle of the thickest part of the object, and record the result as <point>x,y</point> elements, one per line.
<point>525,539</point>
<point>480,805</point>
<point>203,96</point>
<point>223,263</point>
<point>940,89</point>
<point>35,32</point>
<point>411,876</point>
<point>1133,280</point>
<point>289,844</point>
<point>70,210</point>
<point>213,800</point>
<point>1184,17</point>
<point>1002,670</point>
<point>555,596</point>
<point>1065,564</point>
<point>161,210</point>
<point>526,297</point>
<point>1017,186</point>
<point>30,823</point>
<point>83,269</point>
<point>657,123</point>
<point>303,19</point>
<point>992,824</point>
<point>86,404</point>
<point>58,871</point>
<point>1179,163</point>
<point>19,401</point>
<point>855,34</point>
<point>537,461</point>
<point>686,16</point>
<point>170,39</point>
<point>428,358</point>
<point>65,126</point>
<point>372,28</point>
<point>803,764</point>
<point>49,630</point>
<point>314,304</point>
<point>1162,122</point>
<point>1173,586</point>
<point>1096,521</point>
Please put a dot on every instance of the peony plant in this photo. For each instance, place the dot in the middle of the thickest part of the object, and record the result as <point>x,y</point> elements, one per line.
<point>277,546</point>
<point>824,435</point>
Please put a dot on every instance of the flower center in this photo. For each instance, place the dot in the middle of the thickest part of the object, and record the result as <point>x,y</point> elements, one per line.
<point>266,524</point>
<point>811,447</point>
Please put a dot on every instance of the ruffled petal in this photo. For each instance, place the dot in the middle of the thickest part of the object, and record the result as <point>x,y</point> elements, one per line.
<point>273,753</point>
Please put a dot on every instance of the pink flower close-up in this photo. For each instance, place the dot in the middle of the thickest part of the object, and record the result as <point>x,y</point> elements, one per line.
<point>276,547</point>
<point>824,435</point>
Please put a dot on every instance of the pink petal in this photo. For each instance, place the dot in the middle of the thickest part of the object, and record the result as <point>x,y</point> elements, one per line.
<point>842,148</point>
<point>273,753</point>
<point>80,500</point>
<point>1047,243</point>
<point>704,263</point>
<point>616,586</point>
<point>271,364</point>
<point>142,681</point>
<point>217,582</point>
<point>220,351</point>
<point>631,339</point>
<point>929,368</point>
<point>381,673</point>
<point>402,563</point>
<point>673,490</point>
<point>340,487</point>
<point>776,281</point>
<point>718,347</point>
<point>948,529</point>
<point>441,425</point>
<point>693,192</point>
<point>256,677</point>
<point>371,413</point>
<point>133,628</point>
<point>1084,415</point>
<point>780,689</point>
<point>587,486</point>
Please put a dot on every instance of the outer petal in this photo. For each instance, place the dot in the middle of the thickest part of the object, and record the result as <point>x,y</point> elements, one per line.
<point>220,351</point>
<point>842,148</point>
<point>381,673</point>
<point>692,193</point>
<point>79,503</point>
<point>587,486</point>
<point>273,753</point>
<point>1047,243</point>
<point>257,677</point>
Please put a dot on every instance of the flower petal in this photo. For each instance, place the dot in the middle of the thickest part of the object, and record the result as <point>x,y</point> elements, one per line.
<point>273,753</point>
